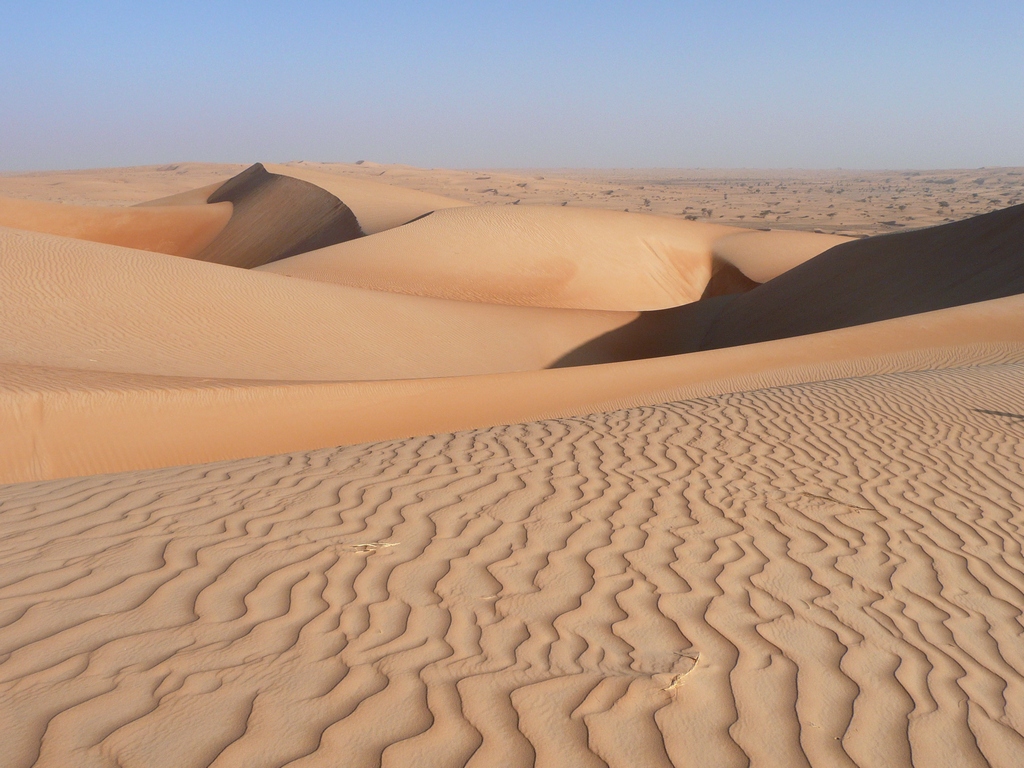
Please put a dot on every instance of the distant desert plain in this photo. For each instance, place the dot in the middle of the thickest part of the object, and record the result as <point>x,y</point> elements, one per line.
<point>322,464</point>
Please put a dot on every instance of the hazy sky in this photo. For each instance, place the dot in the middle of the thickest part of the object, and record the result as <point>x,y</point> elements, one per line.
<point>916,84</point>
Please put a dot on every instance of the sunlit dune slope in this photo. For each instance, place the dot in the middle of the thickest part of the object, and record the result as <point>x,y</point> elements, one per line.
<point>376,205</point>
<point>76,304</point>
<point>177,230</point>
<point>559,257</point>
<point>862,281</point>
<point>60,422</point>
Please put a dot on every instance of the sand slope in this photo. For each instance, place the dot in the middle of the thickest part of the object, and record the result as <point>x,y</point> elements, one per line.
<point>882,277</point>
<point>177,230</point>
<point>828,574</point>
<point>275,217</point>
<point>558,257</point>
<point>377,206</point>
<point>74,304</point>
<point>864,281</point>
<point>60,422</point>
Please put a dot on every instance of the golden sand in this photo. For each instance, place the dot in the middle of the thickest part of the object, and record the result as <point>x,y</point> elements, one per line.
<point>772,513</point>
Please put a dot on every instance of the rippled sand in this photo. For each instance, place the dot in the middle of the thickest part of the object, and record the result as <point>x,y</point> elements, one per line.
<point>719,534</point>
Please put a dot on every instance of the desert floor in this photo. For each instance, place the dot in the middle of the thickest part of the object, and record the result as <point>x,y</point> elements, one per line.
<point>535,545</point>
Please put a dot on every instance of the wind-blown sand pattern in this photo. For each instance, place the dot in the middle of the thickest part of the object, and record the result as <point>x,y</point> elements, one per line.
<point>612,488</point>
<point>827,574</point>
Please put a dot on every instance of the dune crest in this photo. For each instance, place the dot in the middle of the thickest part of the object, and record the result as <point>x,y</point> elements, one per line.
<point>106,308</point>
<point>856,282</point>
<point>376,205</point>
<point>547,256</point>
<point>276,217</point>
<point>882,277</point>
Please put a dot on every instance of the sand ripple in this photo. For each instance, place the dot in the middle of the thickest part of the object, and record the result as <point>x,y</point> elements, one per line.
<point>826,574</point>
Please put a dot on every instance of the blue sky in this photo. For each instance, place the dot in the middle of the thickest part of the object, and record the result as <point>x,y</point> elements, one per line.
<point>521,84</point>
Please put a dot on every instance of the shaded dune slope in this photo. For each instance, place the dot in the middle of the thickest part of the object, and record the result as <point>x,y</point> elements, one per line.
<point>172,229</point>
<point>75,304</point>
<point>820,575</point>
<point>863,281</point>
<point>276,217</point>
<point>559,257</point>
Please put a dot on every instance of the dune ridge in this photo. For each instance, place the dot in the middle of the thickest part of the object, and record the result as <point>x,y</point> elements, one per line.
<point>790,533</point>
<point>882,277</point>
<point>824,574</point>
<point>572,258</point>
<point>864,281</point>
<point>276,217</point>
<point>62,422</point>
<point>75,304</point>
<point>377,206</point>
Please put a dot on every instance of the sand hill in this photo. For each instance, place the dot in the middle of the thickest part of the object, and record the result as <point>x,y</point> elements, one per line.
<point>177,230</point>
<point>559,257</point>
<point>614,489</point>
<point>858,282</point>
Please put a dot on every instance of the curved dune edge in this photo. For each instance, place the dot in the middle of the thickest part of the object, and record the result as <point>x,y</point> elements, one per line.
<point>376,205</point>
<point>60,423</point>
<point>548,256</point>
<point>763,256</point>
<point>275,217</point>
<point>74,304</point>
<point>177,230</point>
<point>827,574</point>
<point>197,196</point>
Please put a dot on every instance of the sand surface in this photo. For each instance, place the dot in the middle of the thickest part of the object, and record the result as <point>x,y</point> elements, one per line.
<point>105,308</point>
<point>827,574</point>
<point>60,422</point>
<point>177,230</point>
<point>574,258</point>
<point>636,467</point>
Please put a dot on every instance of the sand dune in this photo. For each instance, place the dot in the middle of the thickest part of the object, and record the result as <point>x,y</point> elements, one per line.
<point>757,499</point>
<point>558,257</point>
<point>251,219</point>
<point>864,281</point>
<point>377,206</point>
<point>74,304</point>
<point>882,277</point>
<point>275,217</point>
<point>177,230</point>
<point>827,574</point>
<point>833,201</point>
<point>60,422</point>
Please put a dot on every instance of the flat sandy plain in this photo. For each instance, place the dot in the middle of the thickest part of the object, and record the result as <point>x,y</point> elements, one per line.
<point>623,479</point>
